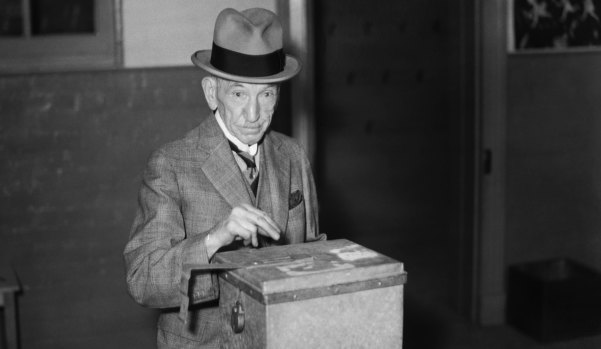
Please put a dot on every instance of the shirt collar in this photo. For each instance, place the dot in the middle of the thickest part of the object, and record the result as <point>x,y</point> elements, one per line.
<point>251,149</point>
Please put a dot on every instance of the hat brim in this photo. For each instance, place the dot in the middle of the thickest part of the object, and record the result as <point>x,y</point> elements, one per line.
<point>202,59</point>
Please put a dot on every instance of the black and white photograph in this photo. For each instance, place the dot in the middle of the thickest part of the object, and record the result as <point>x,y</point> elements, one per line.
<point>300,174</point>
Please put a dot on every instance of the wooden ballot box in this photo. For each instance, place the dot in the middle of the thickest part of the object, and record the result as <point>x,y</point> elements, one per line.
<point>326,294</point>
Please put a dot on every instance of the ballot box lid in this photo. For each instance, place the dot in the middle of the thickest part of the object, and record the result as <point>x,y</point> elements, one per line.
<point>288,273</point>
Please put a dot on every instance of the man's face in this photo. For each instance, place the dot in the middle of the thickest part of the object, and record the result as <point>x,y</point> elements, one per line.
<point>246,109</point>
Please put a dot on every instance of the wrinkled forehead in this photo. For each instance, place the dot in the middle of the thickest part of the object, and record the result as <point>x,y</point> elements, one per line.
<point>226,84</point>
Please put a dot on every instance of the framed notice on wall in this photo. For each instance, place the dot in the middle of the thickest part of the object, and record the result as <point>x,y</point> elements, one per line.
<point>554,25</point>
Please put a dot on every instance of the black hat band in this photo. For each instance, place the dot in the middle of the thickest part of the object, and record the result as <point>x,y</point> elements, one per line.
<point>237,63</point>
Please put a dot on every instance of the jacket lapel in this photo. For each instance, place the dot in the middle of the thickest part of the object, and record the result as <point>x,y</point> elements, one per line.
<point>219,165</point>
<point>277,166</point>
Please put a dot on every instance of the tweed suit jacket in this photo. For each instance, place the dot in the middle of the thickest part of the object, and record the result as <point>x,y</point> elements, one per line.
<point>188,187</point>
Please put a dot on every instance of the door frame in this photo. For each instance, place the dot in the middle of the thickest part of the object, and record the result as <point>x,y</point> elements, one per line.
<point>298,14</point>
<point>487,306</point>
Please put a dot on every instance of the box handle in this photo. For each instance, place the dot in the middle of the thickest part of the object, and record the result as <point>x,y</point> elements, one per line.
<point>237,320</point>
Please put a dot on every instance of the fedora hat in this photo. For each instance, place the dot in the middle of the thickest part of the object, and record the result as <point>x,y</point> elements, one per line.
<point>248,47</point>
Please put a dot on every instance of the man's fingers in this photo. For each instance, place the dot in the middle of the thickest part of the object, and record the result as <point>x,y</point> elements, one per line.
<point>271,223</point>
<point>262,220</point>
<point>254,240</point>
<point>267,234</point>
<point>251,220</point>
<point>266,229</point>
<point>245,228</point>
<point>258,225</point>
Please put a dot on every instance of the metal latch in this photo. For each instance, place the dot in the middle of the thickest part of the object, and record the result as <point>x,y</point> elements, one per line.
<point>237,320</point>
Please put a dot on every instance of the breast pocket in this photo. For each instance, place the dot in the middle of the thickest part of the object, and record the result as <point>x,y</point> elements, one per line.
<point>296,217</point>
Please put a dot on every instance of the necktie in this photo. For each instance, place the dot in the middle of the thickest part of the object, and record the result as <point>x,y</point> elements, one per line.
<point>251,174</point>
<point>252,177</point>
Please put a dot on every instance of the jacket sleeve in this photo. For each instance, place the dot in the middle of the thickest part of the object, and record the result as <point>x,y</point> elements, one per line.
<point>158,246</point>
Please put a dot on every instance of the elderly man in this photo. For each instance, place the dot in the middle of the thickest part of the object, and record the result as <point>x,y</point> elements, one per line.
<point>230,183</point>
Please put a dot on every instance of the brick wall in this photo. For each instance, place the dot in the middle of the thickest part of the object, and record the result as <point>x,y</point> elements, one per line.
<point>72,147</point>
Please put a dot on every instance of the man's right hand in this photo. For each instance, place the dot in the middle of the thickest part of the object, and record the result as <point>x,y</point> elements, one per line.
<point>243,223</point>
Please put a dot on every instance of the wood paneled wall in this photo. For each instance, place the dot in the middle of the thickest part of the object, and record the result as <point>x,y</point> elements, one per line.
<point>387,101</point>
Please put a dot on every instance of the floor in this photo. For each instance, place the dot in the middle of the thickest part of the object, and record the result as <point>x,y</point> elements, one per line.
<point>435,326</point>
<point>430,323</point>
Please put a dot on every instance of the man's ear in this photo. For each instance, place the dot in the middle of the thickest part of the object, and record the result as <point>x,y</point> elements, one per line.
<point>209,86</point>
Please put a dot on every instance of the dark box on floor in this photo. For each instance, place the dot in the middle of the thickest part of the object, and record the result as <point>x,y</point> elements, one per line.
<point>554,300</point>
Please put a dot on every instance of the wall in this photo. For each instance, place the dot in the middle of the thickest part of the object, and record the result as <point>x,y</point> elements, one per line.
<point>72,147</point>
<point>160,33</point>
<point>554,157</point>
<point>387,102</point>
<point>388,95</point>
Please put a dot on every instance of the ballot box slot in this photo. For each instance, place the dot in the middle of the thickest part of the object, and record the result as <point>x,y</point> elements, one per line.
<point>280,260</point>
